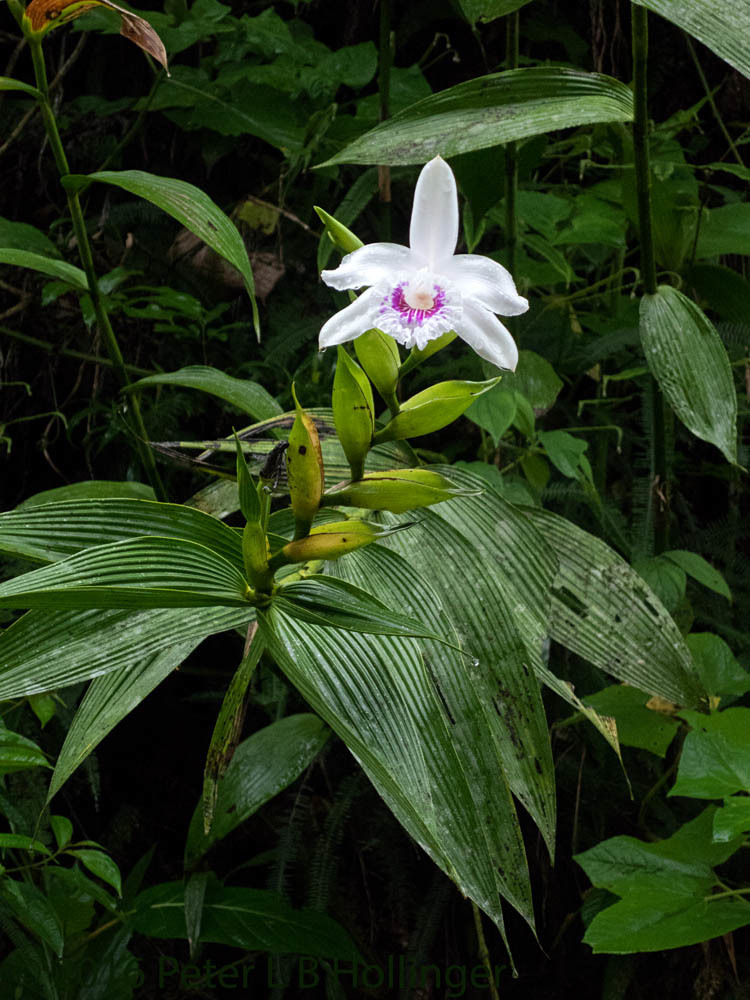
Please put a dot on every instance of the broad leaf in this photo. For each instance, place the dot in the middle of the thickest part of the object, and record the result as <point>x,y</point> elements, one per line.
<point>489,10</point>
<point>57,530</point>
<point>109,699</point>
<point>478,736</point>
<point>244,395</point>
<point>139,573</point>
<point>491,110</point>
<point>321,600</point>
<point>90,489</point>
<point>603,611</point>
<point>262,766</point>
<point>44,651</point>
<point>688,360</point>
<point>722,25</point>
<point>251,919</point>
<point>377,694</point>
<point>715,760</point>
<point>665,889</point>
<point>190,206</point>
<point>50,266</point>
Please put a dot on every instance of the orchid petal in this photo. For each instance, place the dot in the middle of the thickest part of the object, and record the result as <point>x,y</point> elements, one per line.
<point>486,335</point>
<point>370,265</point>
<point>352,321</point>
<point>434,218</point>
<point>487,282</point>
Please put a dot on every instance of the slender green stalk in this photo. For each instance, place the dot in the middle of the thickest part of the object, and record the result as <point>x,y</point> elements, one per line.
<point>68,352</point>
<point>640,147</point>
<point>385,61</point>
<point>661,416</point>
<point>711,101</point>
<point>87,262</point>
<point>511,154</point>
<point>484,953</point>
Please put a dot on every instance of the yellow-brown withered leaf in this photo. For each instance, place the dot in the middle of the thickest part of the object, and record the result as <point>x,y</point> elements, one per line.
<point>42,15</point>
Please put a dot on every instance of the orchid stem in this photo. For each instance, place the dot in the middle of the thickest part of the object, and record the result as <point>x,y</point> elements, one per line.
<point>511,154</point>
<point>87,262</point>
<point>661,416</point>
<point>385,61</point>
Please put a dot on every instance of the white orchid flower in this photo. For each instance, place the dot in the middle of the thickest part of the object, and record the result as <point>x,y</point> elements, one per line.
<point>418,293</point>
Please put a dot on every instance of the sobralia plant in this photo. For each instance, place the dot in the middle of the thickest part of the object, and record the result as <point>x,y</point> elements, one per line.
<point>409,602</point>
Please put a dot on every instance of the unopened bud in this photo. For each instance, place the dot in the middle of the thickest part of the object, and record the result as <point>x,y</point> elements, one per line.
<point>353,411</point>
<point>304,462</point>
<point>330,541</point>
<point>396,491</point>
<point>433,408</point>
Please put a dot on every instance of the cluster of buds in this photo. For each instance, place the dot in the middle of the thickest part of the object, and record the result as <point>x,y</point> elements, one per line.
<point>422,297</point>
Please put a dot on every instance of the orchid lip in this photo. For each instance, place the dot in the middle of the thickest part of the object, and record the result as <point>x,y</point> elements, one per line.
<point>419,309</point>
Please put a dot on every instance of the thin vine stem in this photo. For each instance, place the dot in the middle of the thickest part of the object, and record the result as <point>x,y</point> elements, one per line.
<point>87,262</point>
<point>661,417</point>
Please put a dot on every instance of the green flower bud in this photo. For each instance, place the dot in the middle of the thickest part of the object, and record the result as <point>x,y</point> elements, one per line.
<point>397,491</point>
<point>353,411</point>
<point>304,463</point>
<point>339,235</point>
<point>378,355</point>
<point>433,408</point>
<point>250,501</point>
<point>330,541</point>
<point>255,553</point>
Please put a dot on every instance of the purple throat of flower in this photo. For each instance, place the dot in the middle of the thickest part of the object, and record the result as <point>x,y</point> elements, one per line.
<point>419,310</point>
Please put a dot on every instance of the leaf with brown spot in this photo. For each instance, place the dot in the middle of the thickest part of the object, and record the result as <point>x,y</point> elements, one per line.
<point>42,15</point>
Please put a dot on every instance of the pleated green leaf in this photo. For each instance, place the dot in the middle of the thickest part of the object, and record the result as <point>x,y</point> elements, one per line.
<point>605,612</point>
<point>90,489</point>
<point>489,10</point>
<point>50,266</point>
<point>494,577</point>
<point>108,700</point>
<point>47,650</point>
<point>688,360</point>
<point>57,530</point>
<point>243,394</point>
<point>377,694</point>
<point>190,206</point>
<point>262,766</point>
<point>491,110</point>
<point>722,25</point>
<point>251,919</point>
<point>138,573</point>
<point>476,733</point>
<point>322,600</point>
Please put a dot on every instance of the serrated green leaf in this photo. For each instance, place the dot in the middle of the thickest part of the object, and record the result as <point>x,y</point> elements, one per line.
<point>50,266</point>
<point>138,573</point>
<point>722,25</point>
<point>262,766</point>
<point>688,360</point>
<point>244,395</point>
<point>490,110</point>
<point>190,206</point>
